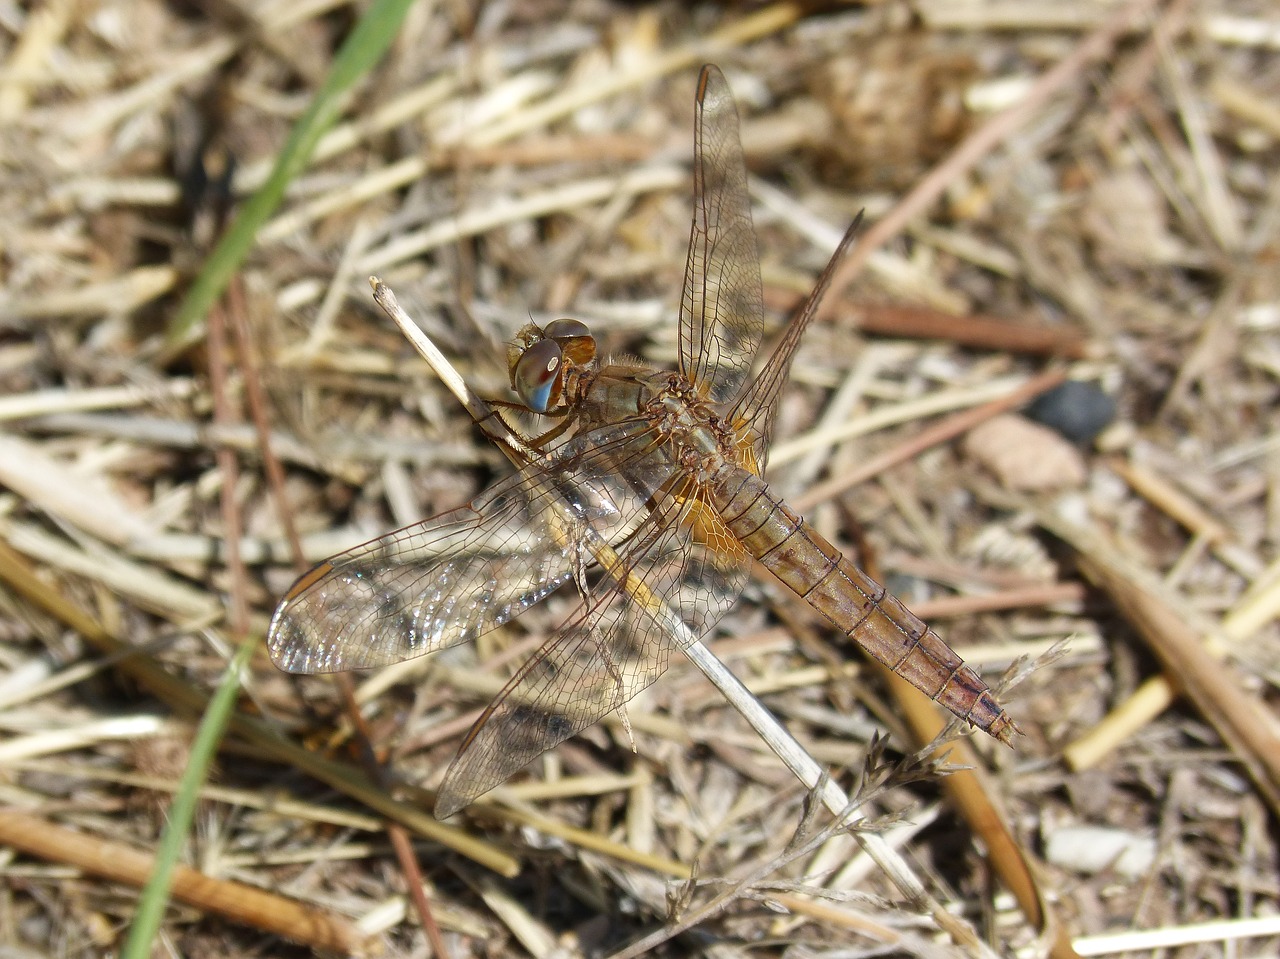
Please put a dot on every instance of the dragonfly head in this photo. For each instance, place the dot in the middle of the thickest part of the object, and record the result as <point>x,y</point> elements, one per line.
<point>541,357</point>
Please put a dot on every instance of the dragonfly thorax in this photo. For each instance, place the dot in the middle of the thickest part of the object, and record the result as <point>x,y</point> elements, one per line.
<point>703,443</point>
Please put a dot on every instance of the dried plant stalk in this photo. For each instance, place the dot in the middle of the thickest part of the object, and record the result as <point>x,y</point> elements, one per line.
<point>113,860</point>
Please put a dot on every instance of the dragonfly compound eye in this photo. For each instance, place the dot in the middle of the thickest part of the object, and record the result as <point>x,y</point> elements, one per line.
<point>575,339</point>
<point>565,329</point>
<point>537,375</point>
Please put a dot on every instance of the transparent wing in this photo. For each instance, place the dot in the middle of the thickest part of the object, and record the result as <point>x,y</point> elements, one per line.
<point>618,642</point>
<point>753,412</point>
<point>459,574</point>
<point>722,309</point>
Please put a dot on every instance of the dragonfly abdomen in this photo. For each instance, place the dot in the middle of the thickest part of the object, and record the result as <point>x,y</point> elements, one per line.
<point>853,602</point>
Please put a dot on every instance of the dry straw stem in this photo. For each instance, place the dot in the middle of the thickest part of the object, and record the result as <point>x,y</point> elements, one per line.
<point>972,793</point>
<point>1255,609</point>
<point>46,402</point>
<point>1223,934</point>
<point>116,861</point>
<point>1173,502</point>
<point>185,699</point>
<point>938,433</point>
<point>1244,722</point>
<point>246,798</point>
<point>806,769</point>
<point>978,403</point>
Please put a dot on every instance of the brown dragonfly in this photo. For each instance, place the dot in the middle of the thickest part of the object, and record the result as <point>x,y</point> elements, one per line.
<point>646,496</point>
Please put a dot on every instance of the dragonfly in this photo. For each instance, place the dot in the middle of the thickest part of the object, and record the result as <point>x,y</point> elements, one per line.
<point>645,498</point>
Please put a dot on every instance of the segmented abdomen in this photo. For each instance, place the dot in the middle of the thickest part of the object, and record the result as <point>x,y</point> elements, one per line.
<point>852,601</point>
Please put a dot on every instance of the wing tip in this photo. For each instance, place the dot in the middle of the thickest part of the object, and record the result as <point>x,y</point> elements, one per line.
<point>448,805</point>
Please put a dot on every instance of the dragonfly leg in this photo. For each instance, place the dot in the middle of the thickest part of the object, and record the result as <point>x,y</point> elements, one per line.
<point>497,434</point>
<point>540,441</point>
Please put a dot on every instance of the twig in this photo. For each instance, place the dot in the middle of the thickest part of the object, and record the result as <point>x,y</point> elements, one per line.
<point>1244,723</point>
<point>229,467</point>
<point>1025,597</point>
<point>182,697</point>
<point>276,481</point>
<point>981,332</point>
<point>948,429</point>
<point>972,330</point>
<point>116,861</point>
<point>256,401</point>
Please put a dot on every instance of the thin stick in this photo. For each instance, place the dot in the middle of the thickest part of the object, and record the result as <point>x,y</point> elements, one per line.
<point>938,433</point>
<point>973,330</point>
<point>1243,720</point>
<point>796,758</point>
<point>16,573</point>
<point>181,813</point>
<point>122,863</point>
<point>257,402</point>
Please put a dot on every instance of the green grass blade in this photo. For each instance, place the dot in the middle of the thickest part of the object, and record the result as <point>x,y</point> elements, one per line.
<point>151,905</point>
<point>361,51</point>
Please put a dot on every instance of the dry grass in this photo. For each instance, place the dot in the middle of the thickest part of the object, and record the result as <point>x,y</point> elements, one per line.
<point>1122,228</point>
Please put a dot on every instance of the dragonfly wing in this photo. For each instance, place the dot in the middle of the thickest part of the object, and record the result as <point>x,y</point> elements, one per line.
<point>459,574</point>
<point>758,403</point>
<point>722,309</point>
<point>618,641</point>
